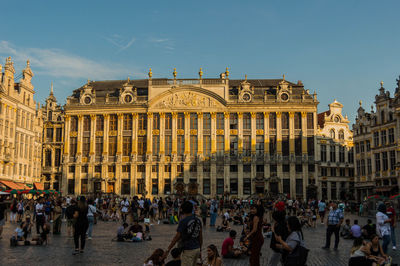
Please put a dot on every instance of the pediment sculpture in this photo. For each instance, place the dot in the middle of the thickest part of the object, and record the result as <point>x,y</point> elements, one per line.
<point>186,99</point>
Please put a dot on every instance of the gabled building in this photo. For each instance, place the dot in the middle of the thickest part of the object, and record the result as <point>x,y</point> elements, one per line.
<point>20,129</point>
<point>335,154</point>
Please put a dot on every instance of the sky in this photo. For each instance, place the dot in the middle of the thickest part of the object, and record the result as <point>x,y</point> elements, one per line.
<point>340,49</point>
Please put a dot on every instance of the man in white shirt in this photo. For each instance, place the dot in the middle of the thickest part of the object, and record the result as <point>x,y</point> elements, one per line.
<point>124,208</point>
<point>40,219</point>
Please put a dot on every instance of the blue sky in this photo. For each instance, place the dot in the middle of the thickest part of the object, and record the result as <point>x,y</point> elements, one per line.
<point>341,49</point>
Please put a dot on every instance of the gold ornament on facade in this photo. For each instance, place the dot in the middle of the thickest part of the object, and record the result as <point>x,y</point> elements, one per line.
<point>125,159</point>
<point>174,73</point>
<point>162,115</point>
<point>226,114</point>
<point>149,115</point>
<point>156,132</point>
<point>220,132</point>
<point>73,134</point>
<point>266,114</point>
<point>199,115</point>
<point>80,117</point>
<point>201,73</point>
<point>134,115</point>
<point>260,131</point>
<point>233,132</point>
<point>120,115</point>
<point>303,114</point>
<point>113,133</point>
<point>174,114</point>
<point>278,114</point>
<point>106,115</point>
<point>253,114</point>
<point>92,117</point>
<point>240,115</point>
<point>193,132</point>
<point>186,114</point>
<point>291,114</point>
<point>213,115</point>
<point>142,132</point>
<point>99,133</point>
<point>180,132</point>
<point>227,72</point>
<point>150,73</point>
<point>84,159</point>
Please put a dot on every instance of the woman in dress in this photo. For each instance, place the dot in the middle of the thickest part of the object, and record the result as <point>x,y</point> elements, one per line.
<point>255,235</point>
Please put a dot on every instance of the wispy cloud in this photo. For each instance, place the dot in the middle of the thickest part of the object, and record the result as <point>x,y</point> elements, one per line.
<point>120,42</point>
<point>61,64</point>
<point>165,43</point>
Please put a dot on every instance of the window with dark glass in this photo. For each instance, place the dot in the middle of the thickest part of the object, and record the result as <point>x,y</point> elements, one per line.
<point>368,145</point>
<point>392,160</point>
<point>333,171</point>
<point>86,146</point>
<point>260,121</point>
<point>272,145</point>
<point>286,168</point>
<point>341,154</point>
<point>154,168</point>
<point>168,144</point>
<point>84,169</point>
<point>142,145</point>
<point>142,122</point>
<point>156,121</point>
<point>71,186</point>
<point>181,121</point>
<point>193,121</point>
<point>310,121</point>
<point>260,168</point>
<point>86,123</point>
<point>351,155</point>
<point>299,168</point>
<point>58,134</point>
<point>272,120</point>
<point>377,162</point>
<point>167,168</point>
<point>220,121</point>
<point>247,168</point>
<point>126,168</point>
<point>49,134</point>
<point>246,145</point>
<point>99,146</point>
<point>246,186</point>
<point>376,139</point>
<point>323,153</point>
<point>193,168</point>
<point>57,159</point>
<point>167,186</point>
<point>126,146</point>
<point>180,145</point>
<point>311,168</point>
<point>127,122</point>
<point>113,123</point>
<point>369,166</point>
<point>74,123</point>
<point>233,145</point>
<point>333,153</point>
<point>246,121</point>
<point>234,186</point>
<point>233,121</point>
<point>286,186</point>
<point>206,121</point>
<point>141,168</point>
<point>385,165</point>
<point>47,158</point>
<point>206,187</point>
<point>260,145</point>
<point>285,120</point>
<point>391,135</point>
<point>125,186</point>
<point>297,145</point>
<point>285,145</point>
<point>99,123</point>
<point>233,168</point>
<point>193,145</point>
<point>362,167</point>
<point>383,137</point>
<point>72,146</point>
<point>220,145</point>
<point>112,146</point>
<point>297,120</point>
<point>310,146</point>
<point>220,186</point>
<point>156,144</point>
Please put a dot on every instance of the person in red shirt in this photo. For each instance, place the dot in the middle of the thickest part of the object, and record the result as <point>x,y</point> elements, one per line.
<point>227,250</point>
<point>392,215</point>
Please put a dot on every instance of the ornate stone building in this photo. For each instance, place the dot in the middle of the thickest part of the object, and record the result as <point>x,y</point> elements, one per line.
<point>52,151</point>
<point>209,136</point>
<point>375,138</point>
<point>335,154</point>
<point>20,129</point>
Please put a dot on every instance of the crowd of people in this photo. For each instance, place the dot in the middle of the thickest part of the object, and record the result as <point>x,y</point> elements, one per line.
<point>282,221</point>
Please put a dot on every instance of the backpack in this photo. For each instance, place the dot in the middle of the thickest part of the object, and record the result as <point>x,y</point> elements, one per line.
<point>298,257</point>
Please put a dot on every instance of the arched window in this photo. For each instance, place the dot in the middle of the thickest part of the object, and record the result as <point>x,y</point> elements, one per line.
<point>332,133</point>
<point>341,134</point>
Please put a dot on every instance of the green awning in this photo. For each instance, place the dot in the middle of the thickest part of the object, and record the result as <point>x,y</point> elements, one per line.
<point>29,185</point>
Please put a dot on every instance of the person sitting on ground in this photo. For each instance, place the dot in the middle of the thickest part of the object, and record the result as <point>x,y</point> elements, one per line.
<point>20,234</point>
<point>355,230</point>
<point>369,229</point>
<point>245,243</point>
<point>375,251</point>
<point>156,259</point>
<point>43,236</point>
<point>176,258</point>
<point>238,218</point>
<point>227,250</point>
<point>346,234</point>
<point>359,253</point>
<point>224,225</point>
<point>121,235</point>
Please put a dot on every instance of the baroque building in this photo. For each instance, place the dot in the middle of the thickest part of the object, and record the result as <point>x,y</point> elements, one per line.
<point>375,139</point>
<point>213,136</point>
<point>20,129</point>
<point>52,149</point>
<point>335,154</point>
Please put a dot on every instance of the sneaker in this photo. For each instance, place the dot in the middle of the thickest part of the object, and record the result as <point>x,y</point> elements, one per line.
<point>76,251</point>
<point>394,247</point>
<point>89,238</point>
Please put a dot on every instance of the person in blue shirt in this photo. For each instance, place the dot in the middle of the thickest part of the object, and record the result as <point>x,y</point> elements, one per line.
<point>333,223</point>
<point>321,210</point>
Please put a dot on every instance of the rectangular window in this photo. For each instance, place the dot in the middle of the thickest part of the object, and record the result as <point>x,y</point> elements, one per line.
<point>141,168</point>
<point>220,186</point>
<point>363,167</point>
<point>49,134</point>
<point>342,172</point>
<point>207,145</point>
<point>113,126</point>
<point>179,168</point>
<point>84,169</point>
<point>73,125</point>
<point>246,186</point>
<point>324,171</point>
<point>58,134</point>
<point>193,168</point>
<point>220,145</point>
<point>299,187</point>
<point>112,146</point>
<point>377,162</point>
<point>206,168</point>
<point>193,121</point>
<point>168,121</point>
<point>99,123</point>
<point>391,135</point>
<point>142,122</point>
<point>362,146</point>
<point>193,145</point>
<point>168,144</point>
<point>247,168</point>
<point>126,146</point>
<point>99,146</point>
<point>220,121</point>
<point>260,168</point>
<point>181,145</point>
<point>357,147</point>
<point>246,145</point>
<point>369,166</point>
<point>260,145</point>
<point>385,166</point>
<point>285,120</point>
<point>323,153</point>
<point>299,168</point>
<point>154,168</point>
<point>154,186</point>
<point>206,187</point>
<point>72,146</point>
<point>233,121</point>
<point>167,168</point>
<point>333,153</point>
<point>368,144</point>
<point>111,168</point>
<point>142,145</point>
<point>71,169</point>
<point>167,186</point>
<point>286,168</point>
<point>156,121</point>
<point>181,121</point>
<point>297,120</point>
<point>333,171</point>
<point>260,121</point>
<point>127,122</point>
<point>140,186</point>
<point>57,159</point>
<point>86,147</point>
<point>341,154</point>
<point>233,145</point>
<point>285,145</point>
<point>351,155</point>
<point>71,186</point>
<point>311,168</point>
<point>358,164</point>
<point>156,144</point>
<point>383,137</point>
<point>286,186</point>
<point>392,160</point>
<point>126,168</point>
<point>297,145</point>
<point>310,146</point>
<point>206,121</point>
<point>234,186</point>
<point>233,168</point>
<point>272,120</point>
<point>376,139</point>
<point>272,145</point>
<point>125,186</point>
<point>310,121</point>
<point>86,123</point>
<point>246,121</point>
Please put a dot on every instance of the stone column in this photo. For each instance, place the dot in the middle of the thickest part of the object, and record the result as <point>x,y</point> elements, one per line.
<point>134,154</point>
<point>79,156</point>
<point>91,152</point>
<point>200,175</point>
<point>304,152</point>
<point>267,172</point>
<point>149,152</point>
<point>279,169</point>
<point>226,155</point>
<point>64,181</point>
<point>161,177</point>
<point>104,165</point>
<point>174,151</point>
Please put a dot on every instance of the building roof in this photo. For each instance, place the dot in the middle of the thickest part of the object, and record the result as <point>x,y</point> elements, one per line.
<point>321,118</point>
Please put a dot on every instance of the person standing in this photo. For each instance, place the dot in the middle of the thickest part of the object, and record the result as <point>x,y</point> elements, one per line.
<point>3,215</point>
<point>190,235</point>
<point>203,212</point>
<point>57,218</point>
<point>255,235</point>
<point>383,226</point>
<point>392,215</point>
<point>279,229</point>
<point>81,225</point>
<point>124,208</point>
<point>91,212</point>
<point>334,221</point>
<point>321,210</point>
<point>213,212</point>
<point>40,220</point>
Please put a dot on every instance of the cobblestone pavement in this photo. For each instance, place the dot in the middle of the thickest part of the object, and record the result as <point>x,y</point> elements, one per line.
<point>102,251</point>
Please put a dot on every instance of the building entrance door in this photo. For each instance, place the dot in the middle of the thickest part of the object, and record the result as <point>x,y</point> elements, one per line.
<point>260,188</point>
<point>110,187</point>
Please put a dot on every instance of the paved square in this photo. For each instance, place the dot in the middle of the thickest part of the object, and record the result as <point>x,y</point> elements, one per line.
<point>102,251</point>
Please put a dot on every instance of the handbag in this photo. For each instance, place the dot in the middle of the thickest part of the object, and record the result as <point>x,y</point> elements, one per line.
<point>298,257</point>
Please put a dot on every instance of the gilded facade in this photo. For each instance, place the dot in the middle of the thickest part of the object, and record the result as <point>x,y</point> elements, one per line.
<point>375,140</point>
<point>335,154</point>
<point>52,148</point>
<point>20,128</point>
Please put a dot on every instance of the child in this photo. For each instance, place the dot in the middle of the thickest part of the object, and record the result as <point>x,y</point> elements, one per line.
<point>176,258</point>
<point>346,230</point>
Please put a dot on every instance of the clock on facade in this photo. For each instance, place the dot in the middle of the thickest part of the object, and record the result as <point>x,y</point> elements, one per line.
<point>87,100</point>
<point>284,96</point>
<point>128,98</point>
<point>337,119</point>
<point>246,97</point>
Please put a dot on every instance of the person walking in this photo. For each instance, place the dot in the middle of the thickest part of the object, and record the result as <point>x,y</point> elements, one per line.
<point>213,212</point>
<point>279,229</point>
<point>255,235</point>
<point>190,235</point>
<point>392,215</point>
<point>321,210</point>
<point>334,221</point>
<point>3,215</point>
<point>203,212</point>
<point>91,212</point>
<point>81,225</point>
<point>383,226</point>
<point>40,219</point>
